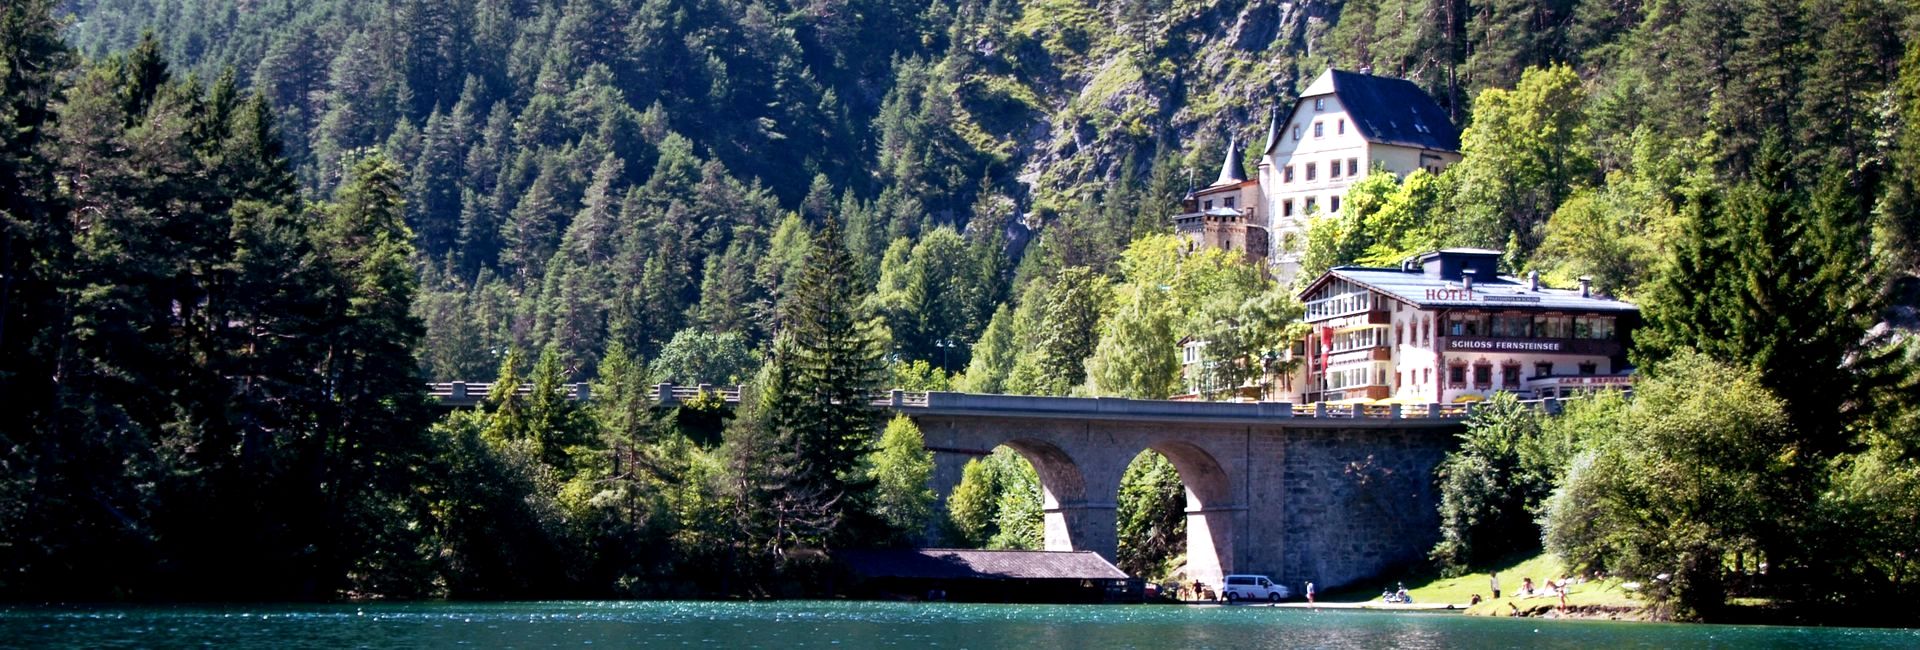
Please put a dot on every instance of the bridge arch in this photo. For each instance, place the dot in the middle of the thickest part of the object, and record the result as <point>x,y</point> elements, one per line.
<point>1213,511</point>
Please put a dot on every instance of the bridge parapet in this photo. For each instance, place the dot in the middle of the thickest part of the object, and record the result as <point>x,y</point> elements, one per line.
<point>460,394</point>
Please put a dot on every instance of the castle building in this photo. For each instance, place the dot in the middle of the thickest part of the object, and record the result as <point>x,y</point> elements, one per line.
<point>1343,127</point>
<point>1445,328</point>
<point>1226,214</point>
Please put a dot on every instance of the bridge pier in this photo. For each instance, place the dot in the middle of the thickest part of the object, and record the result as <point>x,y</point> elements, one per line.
<point>1084,526</point>
<point>1211,545</point>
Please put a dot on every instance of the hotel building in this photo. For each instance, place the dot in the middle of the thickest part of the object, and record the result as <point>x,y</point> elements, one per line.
<point>1446,327</point>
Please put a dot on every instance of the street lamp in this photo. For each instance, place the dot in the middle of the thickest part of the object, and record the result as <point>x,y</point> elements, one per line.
<point>944,345</point>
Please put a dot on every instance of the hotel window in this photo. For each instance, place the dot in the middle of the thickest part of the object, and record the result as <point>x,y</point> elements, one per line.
<point>1312,168</point>
<point>1208,205</point>
<point>1309,206</point>
<point>1353,166</point>
<point>1333,169</point>
<point>1286,208</point>
<point>1319,129</point>
<point>1319,103</point>
<point>1512,326</point>
<point>1296,132</point>
<point>1286,174</point>
<point>1542,369</point>
<point>1333,203</point>
<point>1483,376</point>
<point>1457,376</point>
<point>1550,327</point>
<point>1228,202</point>
<point>1342,129</point>
<point>1510,376</point>
<point>1588,369</point>
<point>1399,335</point>
<point>1426,376</point>
<point>1468,325</point>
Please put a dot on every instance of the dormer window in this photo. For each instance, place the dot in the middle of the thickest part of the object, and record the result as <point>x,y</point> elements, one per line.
<point>1319,103</point>
<point>1319,129</point>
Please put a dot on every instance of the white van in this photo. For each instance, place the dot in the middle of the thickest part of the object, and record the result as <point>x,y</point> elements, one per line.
<point>1251,587</point>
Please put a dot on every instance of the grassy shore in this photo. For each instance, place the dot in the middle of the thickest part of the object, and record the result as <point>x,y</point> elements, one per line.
<point>1592,599</point>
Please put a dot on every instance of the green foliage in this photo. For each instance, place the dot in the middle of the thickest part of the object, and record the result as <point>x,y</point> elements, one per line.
<point>817,420</point>
<point>900,469</point>
<point>1525,151</point>
<point>697,356</point>
<point>1153,516</point>
<point>1777,278</point>
<point>918,376</point>
<point>1686,481</point>
<point>1137,356</point>
<point>993,356</point>
<point>996,504</point>
<point>1491,486</point>
<point>1057,342</point>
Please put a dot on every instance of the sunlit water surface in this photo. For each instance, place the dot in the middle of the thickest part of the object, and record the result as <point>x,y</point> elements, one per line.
<point>860,625</point>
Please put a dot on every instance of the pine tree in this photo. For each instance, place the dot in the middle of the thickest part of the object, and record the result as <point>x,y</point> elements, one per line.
<point>821,416</point>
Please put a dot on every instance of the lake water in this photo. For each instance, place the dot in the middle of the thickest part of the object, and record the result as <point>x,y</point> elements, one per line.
<point>860,625</point>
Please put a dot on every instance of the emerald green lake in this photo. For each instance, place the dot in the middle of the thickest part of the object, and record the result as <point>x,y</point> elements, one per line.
<point>860,625</point>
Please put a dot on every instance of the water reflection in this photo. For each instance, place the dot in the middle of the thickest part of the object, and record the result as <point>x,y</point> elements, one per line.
<point>857,625</point>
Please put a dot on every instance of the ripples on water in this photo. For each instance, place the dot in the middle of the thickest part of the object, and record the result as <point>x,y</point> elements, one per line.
<point>687,624</point>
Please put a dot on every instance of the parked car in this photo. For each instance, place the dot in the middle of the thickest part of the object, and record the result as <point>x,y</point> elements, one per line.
<point>1252,587</point>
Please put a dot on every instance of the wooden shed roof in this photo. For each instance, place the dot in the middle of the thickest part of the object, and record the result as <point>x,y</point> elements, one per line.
<point>969,564</point>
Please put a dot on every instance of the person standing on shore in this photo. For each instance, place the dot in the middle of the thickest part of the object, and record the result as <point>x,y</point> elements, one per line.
<point>1494,579</point>
<point>1309,592</point>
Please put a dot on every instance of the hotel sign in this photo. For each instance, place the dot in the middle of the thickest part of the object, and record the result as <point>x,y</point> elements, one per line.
<point>1538,346</point>
<point>1507,345</point>
<point>1461,295</point>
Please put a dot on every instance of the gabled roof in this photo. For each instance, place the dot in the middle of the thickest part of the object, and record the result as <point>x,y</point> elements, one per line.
<point>1386,110</point>
<point>969,564</point>
<point>1496,293</point>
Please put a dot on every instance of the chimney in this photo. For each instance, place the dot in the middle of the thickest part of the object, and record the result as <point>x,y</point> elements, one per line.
<point>1466,279</point>
<point>1586,286</point>
<point>1533,280</point>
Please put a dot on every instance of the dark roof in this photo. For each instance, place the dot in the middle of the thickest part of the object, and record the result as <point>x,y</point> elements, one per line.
<point>1231,171</point>
<point>1491,293</point>
<point>968,564</point>
<point>1389,110</point>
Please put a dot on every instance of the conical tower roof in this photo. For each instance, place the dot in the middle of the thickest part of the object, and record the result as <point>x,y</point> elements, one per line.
<point>1273,130</point>
<point>1231,171</point>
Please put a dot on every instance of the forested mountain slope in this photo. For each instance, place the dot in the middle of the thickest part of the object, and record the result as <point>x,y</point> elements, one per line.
<point>583,171</point>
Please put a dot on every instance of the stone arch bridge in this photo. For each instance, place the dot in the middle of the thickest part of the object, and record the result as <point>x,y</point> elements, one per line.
<point>1332,494</point>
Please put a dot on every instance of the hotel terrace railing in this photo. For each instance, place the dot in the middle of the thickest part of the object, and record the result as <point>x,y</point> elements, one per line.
<point>466,394</point>
<point>1356,302</point>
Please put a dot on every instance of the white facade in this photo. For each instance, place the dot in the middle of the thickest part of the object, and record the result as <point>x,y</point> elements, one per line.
<point>1426,333</point>
<point>1314,156</point>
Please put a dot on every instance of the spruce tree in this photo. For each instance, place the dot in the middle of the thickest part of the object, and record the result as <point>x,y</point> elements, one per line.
<point>830,359</point>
